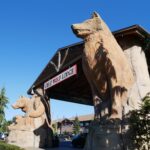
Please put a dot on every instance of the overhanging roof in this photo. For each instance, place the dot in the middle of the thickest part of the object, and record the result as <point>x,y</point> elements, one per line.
<point>76,89</point>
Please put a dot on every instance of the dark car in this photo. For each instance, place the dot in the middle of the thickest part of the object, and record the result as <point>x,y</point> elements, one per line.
<point>55,141</point>
<point>79,140</point>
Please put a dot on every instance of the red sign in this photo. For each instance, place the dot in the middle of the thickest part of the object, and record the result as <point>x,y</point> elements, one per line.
<point>61,77</point>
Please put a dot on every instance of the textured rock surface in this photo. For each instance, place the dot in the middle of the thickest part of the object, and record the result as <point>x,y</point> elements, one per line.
<point>109,135</point>
<point>141,87</point>
<point>104,137</point>
<point>25,139</point>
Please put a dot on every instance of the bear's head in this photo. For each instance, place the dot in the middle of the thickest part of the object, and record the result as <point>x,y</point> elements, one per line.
<point>21,103</point>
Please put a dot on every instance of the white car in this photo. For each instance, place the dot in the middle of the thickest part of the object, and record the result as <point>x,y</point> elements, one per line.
<point>2,136</point>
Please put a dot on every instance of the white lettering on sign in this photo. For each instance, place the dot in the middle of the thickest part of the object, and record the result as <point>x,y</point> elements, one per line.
<point>61,77</point>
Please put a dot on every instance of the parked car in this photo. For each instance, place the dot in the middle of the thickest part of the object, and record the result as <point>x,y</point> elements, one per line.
<point>3,136</point>
<point>55,141</point>
<point>79,140</point>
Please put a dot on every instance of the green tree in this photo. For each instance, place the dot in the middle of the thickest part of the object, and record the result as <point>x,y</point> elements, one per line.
<point>3,105</point>
<point>76,126</point>
<point>54,128</point>
<point>4,126</point>
<point>140,125</point>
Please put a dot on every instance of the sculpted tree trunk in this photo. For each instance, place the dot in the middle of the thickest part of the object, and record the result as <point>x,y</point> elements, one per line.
<point>39,108</point>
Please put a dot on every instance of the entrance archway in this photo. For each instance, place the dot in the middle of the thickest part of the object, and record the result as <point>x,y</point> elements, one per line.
<point>74,87</point>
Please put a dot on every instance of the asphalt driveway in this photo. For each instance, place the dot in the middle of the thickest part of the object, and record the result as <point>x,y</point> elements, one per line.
<point>63,146</point>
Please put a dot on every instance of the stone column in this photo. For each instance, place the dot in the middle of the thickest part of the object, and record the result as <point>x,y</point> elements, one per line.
<point>104,136</point>
<point>141,87</point>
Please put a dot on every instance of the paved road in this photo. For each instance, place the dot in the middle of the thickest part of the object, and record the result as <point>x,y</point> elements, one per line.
<point>63,146</point>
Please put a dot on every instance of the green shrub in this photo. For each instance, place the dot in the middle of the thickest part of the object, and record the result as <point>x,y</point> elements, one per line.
<point>140,125</point>
<point>5,146</point>
<point>76,126</point>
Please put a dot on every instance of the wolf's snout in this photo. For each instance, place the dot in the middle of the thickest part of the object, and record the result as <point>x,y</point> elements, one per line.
<point>73,27</point>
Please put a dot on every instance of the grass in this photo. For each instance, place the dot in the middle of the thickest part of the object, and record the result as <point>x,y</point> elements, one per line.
<point>5,146</point>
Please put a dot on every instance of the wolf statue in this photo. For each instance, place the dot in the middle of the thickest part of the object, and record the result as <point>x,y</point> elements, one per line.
<point>111,79</point>
<point>105,66</point>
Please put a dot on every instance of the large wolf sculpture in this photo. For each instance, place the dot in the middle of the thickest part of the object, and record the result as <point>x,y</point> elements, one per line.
<point>105,66</point>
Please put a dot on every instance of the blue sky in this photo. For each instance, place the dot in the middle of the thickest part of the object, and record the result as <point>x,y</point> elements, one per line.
<point>32,30</point>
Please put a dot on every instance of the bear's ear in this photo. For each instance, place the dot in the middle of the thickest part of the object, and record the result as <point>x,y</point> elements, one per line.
<point>95,14</point>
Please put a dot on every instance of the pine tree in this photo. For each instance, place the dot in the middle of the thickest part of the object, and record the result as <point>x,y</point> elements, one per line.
<point>55,128</point>
<point>76,126</point>
<point>3,105</point>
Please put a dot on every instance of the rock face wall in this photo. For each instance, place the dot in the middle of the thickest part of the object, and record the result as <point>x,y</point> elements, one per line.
<point>104,137</point>
<point>30,139</point>
<point>141,87</point>
<point>32,129</point>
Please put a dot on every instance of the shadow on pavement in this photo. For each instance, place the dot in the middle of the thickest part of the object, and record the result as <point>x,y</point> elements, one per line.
<point>63,146</point>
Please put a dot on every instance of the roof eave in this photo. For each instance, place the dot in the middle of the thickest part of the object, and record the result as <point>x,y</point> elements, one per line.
<point>134,29</point>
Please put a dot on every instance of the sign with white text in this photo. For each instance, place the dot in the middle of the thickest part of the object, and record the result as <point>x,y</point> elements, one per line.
<point>61,77</point>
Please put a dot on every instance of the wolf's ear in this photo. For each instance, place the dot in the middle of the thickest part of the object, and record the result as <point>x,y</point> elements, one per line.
<point>95,14</point>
